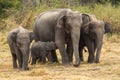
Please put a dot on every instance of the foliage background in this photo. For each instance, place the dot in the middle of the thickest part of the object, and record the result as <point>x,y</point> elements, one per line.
<point>24,12</point>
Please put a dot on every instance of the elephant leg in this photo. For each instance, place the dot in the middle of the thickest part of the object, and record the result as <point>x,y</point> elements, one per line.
<point>91,55</point>
<point>39,59</point>
<point>81,53</point>
<point>60,43</point>
<point>33,60</point>
<point>54,56</point>
<point>43,60</point>
<point>90,46</point>
<point>69,51</point>
<point>49,57</point>
<point>19,56</point>
<point>14,58</point>
<point>20,59</point>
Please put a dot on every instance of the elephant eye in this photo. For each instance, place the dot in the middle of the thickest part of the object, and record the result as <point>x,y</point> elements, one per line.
<point>19,44</point>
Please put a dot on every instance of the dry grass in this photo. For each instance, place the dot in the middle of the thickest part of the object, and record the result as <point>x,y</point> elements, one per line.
<point>107,69</point>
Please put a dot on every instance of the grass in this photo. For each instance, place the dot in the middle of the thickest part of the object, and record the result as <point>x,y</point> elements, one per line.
<point>107,69</point>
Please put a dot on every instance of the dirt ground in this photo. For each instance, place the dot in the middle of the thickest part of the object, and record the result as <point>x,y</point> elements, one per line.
<point>107,69</point>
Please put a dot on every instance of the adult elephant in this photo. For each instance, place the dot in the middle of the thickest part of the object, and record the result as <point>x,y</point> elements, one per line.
<point>19,40</point>
<point>92,32</point>
<point>54,25</point>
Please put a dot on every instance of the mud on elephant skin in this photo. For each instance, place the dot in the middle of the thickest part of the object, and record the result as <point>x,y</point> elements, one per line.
<point>92,32</point>
<point>59,22</point>
<point>41,50</point>
<point>19,40</point>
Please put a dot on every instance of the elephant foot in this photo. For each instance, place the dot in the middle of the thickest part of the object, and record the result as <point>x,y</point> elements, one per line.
<point>66,64</point>
<point>90,61</point>
<point>33,63</point>
<point>81,59</point>
<point>97,61</point>
<point>56,61</point>
<point>76,65</point>
<point>15,67</point>
<point>25,69</point>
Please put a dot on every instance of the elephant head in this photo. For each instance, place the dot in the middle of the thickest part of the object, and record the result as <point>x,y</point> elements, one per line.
<point>69,22</point>
<point>108,27</point>
<point>50,46</point>
<point>22,39</point>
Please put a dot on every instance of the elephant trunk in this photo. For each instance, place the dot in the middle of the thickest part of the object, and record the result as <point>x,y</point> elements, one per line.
<point>25,53</point>
<point>99,47</point>
<point>75,34</point>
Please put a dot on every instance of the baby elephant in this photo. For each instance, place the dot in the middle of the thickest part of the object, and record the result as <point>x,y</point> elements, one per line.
<point>19,40</point>
<point>40,50</point>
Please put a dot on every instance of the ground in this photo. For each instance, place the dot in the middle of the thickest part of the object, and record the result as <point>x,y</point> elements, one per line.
<point>107,69</point>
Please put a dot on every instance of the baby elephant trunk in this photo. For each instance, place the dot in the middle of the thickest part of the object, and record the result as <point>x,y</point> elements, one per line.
<point>25,58</point>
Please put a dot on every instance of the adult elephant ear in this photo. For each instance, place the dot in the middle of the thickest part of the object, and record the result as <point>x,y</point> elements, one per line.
<point>108,27</point>
<point>62,19</point>
<point>85,18</point>
<point>31,36</point>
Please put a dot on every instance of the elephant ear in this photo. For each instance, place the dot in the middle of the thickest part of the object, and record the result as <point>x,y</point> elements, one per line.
<point>86,28</point>
<point>50,46</point>
<point>85,18</point>
<point>31,34</point>
<point>14,36</point>
<point>107,27</point>
<point>61,19</point>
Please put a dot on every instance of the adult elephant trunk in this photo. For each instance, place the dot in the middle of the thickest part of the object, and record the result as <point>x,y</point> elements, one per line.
<point>75,35</point>
<point>25,52</point>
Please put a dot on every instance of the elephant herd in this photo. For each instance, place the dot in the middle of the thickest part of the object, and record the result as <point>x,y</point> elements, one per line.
<point>63,29</point>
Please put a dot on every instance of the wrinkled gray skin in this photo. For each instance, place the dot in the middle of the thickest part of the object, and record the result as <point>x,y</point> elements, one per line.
<point>41,50</point>
<point>92,32</point>
<point>19,40</point>
<point>54,25</point>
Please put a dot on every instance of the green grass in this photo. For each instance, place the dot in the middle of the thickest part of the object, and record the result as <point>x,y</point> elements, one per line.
<point>102,12</point>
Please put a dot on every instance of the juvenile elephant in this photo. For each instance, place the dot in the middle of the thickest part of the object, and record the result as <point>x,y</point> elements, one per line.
<point>53,25</point>
<point>92,32</point>
<point>19,40</point>
<point>41,50</point>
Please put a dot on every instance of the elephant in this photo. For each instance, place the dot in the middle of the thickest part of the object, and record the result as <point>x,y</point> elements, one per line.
<point>41,50</point>
<point>53,25</point>
<point>92,32</point>
<point>19,40</point>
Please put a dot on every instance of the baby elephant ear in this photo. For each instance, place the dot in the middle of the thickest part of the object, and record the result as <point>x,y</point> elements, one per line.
<point>86,28</point>
<point>31,36</point>
<point>14,36</point>
<point>108,27</point>
<point>50,46</point>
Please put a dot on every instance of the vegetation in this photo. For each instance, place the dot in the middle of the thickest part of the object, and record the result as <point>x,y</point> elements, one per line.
<point>24,12</point>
